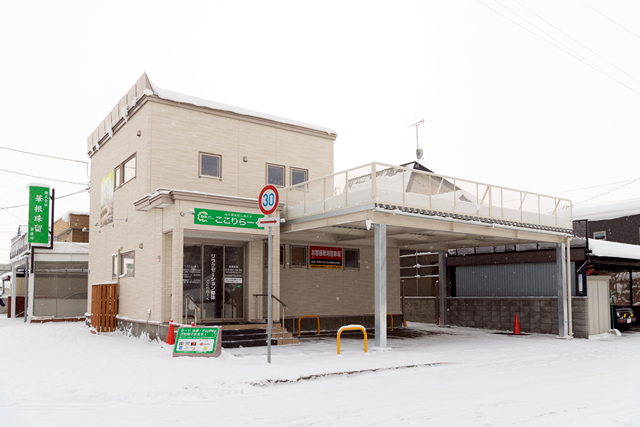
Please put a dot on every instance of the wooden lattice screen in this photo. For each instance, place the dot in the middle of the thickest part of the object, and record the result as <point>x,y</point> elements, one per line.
<point>104,307</point>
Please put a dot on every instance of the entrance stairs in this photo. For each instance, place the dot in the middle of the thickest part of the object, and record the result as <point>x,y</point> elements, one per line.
<point>254,335</point>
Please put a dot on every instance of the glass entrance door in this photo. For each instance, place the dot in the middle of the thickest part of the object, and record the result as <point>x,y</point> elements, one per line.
<point>213,276</point>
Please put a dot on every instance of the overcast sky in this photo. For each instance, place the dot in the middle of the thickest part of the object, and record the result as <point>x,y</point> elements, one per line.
<point>542,96</point>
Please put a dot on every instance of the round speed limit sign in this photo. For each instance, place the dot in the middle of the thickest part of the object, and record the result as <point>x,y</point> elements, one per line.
<point>268,200</point>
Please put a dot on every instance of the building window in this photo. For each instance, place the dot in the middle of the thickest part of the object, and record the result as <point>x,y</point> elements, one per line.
<point>114,266</point>
<point>210,165</point>
<point>600,235</point>
<point>275,175</point>
<point>298,176</point>
<point>124,172</point>
<point>266,255</point>
<point>351,259</point>
<point>298,256</point>
<point>127,263</point>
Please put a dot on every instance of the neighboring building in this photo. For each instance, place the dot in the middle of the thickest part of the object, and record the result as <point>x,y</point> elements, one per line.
<point>175,181</point>
<point>72,227</point>
<point>492,284</point>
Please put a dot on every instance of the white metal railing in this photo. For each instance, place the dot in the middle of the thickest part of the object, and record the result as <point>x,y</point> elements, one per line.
<point>398,186</point>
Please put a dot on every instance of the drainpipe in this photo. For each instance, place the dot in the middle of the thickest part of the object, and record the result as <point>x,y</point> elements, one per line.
<point>569,285</point>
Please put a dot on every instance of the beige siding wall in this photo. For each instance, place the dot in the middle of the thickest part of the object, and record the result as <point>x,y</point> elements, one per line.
<point>179,135</point>
<point>323,292</point>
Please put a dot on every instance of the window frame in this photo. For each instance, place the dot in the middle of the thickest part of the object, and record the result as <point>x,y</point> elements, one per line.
<point>119,175</point>
<point>344,256</point>
<point>306,256</point>
<point>604,235</point>
<point>123,272</point>
<point>284,175</point>
<point>115,266</point>
<point>218,156</point>
<point>294,169</point>
<point>283,252</point>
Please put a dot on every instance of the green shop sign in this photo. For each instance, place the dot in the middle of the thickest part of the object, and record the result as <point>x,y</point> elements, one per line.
<point>226,218</point>
<point>39,214</point>
<point>203,342</point>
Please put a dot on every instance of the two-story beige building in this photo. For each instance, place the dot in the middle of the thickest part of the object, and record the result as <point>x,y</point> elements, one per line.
<point>175,182</point>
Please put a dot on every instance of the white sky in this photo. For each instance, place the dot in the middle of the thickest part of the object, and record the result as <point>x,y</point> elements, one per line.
<point>500,104</point>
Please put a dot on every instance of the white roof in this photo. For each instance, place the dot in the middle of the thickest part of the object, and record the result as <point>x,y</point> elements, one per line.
<point>66,248</point>
<point>603,248</point>
<point>188,99</point>
<point>607,210</point>
<point>67,215</point>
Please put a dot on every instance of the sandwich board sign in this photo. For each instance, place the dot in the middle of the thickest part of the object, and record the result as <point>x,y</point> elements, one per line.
<point>198,342</point>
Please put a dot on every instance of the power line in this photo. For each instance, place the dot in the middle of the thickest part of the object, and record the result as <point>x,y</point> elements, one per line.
<point>593,186</point>
<point>610,191</point>
<point>40,177</point>
<point>44,155</point>
<point>626,29</point>
<point>58,197</point>
<point>558,29</point>
<point>554,45</point>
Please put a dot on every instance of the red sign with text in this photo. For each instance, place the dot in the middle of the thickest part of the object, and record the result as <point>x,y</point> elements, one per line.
<point>325,257</point>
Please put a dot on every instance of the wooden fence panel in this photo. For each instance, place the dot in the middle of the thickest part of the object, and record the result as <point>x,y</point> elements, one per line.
<point>104,307</point>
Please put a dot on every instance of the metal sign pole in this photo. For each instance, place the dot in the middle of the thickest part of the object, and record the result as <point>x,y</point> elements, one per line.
<point>269,299</point>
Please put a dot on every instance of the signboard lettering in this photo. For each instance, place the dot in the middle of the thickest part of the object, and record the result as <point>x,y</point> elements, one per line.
<point>226,218</point>
<point>39,214</point>
<point>198,342</point>
<point>325,257</point>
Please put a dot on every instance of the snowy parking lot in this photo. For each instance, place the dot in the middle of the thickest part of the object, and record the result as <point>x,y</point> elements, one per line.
<point>58,374</point>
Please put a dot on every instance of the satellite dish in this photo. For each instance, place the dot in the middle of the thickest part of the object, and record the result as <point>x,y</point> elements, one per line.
<point>419,153</point>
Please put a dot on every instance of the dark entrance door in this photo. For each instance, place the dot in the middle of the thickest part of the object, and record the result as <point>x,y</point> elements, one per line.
<point>213,277</point>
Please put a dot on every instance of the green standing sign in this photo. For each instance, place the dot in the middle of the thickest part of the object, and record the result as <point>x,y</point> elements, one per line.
<point>198,342</point>
<point>226,218</point>
<point>39,207</point>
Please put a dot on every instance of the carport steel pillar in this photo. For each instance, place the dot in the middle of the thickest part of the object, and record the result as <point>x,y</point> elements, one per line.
<point>380,256</point>
<point>561,275</point>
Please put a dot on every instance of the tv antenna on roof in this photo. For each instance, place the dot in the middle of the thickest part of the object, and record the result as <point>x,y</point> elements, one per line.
<point>419,152</point>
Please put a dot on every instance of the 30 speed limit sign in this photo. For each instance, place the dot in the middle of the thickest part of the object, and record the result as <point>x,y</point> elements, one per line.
<point>268,200</point>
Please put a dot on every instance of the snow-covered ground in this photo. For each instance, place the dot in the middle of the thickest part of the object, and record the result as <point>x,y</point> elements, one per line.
<point>61,375</point>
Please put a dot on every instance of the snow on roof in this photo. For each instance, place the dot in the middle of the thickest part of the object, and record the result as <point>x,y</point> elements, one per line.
<point>607,211</point>
<point>188,99</point>
<point>603,248</point>
<point>66,217</point>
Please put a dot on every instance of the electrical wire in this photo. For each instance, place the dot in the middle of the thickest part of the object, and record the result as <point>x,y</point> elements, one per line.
<point>626,29</point>
<point>57,198</point>
<point>40,177</point>
<point>610,191</point>
<point>556,46</point>
<point>44,155</point>
<point>567,35</point>
<point>593,186</point>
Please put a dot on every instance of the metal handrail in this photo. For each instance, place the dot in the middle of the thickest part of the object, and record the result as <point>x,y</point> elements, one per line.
<point>283,307</point>
<point>195,311</point>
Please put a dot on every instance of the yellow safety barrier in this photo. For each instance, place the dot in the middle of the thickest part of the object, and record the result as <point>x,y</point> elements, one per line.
<point>391,320</point>
<point>353,328</point>
<point>302,317</point>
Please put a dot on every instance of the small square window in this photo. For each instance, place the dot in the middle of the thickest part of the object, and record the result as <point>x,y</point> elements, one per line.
<point>210,165</point>
<point>127,263</point>
<point>275,175</point>
<point>266,255</point>
<point>351,259</point>
<point>298,256</point>
<point>600,235</point>
<point>116,176</point>
<point>298,176</point>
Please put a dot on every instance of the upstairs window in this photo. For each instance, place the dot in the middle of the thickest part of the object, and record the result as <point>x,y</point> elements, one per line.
<point>275,175</point>
<point>124,172</point>
<point>600,235</point>
<point>298,176</point>
<point>210,165</point>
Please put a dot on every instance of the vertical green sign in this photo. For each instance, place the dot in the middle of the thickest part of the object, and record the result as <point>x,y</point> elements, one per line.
<point>38,214</point>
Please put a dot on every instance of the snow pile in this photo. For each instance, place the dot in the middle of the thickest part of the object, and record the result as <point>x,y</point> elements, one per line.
<point>59,374</point>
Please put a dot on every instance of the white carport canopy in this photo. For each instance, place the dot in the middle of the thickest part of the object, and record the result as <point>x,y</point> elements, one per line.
<point>377,203</point>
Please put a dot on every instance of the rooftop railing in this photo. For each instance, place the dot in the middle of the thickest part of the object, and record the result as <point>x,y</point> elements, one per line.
<point>403,187</point>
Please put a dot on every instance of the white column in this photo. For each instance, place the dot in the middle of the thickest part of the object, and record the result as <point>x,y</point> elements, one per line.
<point>14,279</point>
<point>563,319</point>
<point>31,287</point>
<point>442,271</point>
<point>380,255</point>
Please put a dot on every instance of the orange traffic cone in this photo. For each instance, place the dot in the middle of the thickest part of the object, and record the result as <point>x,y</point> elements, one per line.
<point>516,327</point>
<point>171,337</point>
<point>193,324</point>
